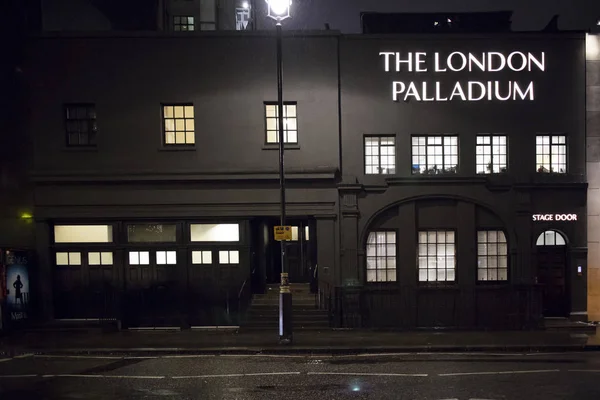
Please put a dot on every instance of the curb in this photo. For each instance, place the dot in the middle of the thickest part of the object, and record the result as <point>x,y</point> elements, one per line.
<point>306,350</point>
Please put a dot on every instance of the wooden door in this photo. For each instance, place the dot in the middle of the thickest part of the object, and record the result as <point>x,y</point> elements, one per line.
<point>552,261</point>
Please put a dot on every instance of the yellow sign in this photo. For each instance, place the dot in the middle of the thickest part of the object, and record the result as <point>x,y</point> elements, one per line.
<point>283,233</point>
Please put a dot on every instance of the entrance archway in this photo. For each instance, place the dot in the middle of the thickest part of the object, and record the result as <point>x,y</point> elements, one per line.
<point>552,266</point>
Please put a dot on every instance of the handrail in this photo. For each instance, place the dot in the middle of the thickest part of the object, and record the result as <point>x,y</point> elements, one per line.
<point>244,284</point>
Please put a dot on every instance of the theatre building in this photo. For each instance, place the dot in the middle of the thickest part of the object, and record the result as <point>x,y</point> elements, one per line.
<point>432,180</point>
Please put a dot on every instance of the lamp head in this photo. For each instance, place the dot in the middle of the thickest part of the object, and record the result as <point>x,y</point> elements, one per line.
<point>279,9</point>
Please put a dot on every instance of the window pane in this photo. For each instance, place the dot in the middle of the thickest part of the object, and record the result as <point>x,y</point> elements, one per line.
<point>74,258</point>
<point>223,257</point>
<point>62,258</point>
<point>196,257</point>
<point>171,257</point>
<point>215,232</point>
<point>234,257</point>
<point>106,258</point>
<point>83,234</point>
<point>151,233</point>
<point>207,257</point>
<point>94,258</point>
<point>134,258</point>
<point>161,257</point>
<point>294,233</point>
<point>144,258</point>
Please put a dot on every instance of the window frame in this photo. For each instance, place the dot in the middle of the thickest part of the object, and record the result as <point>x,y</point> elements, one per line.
<point>437,283</point>
<point>187,25</point>
<point>366,266</point>
<point>267,130</point>
<point>427,138</point>
<point>492,154</point>
<point>92,125</point>
<point>488,281</point>
<point>379,137</point>
<point>566,144</point>
<point>177,146</point>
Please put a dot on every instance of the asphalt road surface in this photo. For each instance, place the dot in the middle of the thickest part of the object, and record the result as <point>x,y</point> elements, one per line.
<point>402,376</point>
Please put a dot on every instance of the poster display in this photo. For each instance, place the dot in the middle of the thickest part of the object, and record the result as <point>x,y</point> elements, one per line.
<point>16,265</point>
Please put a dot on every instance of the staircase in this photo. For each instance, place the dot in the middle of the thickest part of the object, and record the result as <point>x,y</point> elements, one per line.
<point>263,313</point>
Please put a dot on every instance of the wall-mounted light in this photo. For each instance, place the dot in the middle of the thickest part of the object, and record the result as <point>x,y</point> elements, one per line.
<point>245,5</point>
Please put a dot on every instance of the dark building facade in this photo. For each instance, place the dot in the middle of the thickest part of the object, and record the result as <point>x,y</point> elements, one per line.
<point>433,180</point>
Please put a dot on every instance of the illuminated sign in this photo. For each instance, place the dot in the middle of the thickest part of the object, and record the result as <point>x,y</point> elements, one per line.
<point>554,217</point>
<point>457,61</point>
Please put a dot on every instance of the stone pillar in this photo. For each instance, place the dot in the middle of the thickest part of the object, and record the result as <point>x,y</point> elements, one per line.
<point>350,272</point>
<point>593,175</point>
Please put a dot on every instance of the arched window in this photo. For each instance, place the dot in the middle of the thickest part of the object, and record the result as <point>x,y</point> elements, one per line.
<point>550,238</point>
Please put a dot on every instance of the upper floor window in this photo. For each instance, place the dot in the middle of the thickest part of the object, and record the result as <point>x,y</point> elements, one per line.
<point>178,124</point>
<point>492,256</point>
<point>437,256</point>
<point>381,257</point>
<point>215,232</point>
<point>242,15</point>
<point>491,154</point>
<point>80,121</point>
<point>83,234</point>
<point>183,23</point>
<point>433,155</point>
<point>380,155</point>
<point>551,154</point>
<point>290,122</point>
<point>208,15</point>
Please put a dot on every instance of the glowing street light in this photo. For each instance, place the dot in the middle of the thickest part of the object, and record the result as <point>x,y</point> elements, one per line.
<point>279,9</point>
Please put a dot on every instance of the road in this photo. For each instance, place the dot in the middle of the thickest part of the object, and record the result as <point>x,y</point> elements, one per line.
<point>402,376</point>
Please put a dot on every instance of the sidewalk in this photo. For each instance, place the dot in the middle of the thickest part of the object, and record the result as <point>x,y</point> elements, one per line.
<point>316,342</point>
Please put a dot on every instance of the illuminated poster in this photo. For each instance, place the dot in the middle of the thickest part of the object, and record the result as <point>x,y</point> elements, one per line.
<point>17,284</point>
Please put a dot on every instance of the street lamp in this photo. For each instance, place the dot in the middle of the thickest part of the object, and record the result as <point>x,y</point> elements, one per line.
<point>280,10</point>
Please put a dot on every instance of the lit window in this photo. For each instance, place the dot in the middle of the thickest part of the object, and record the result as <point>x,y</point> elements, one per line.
<point>550,238</point>
<point>437,256</point>
<point>242,17</point>
<point>380,155</point>
<point>178,124</point>
<point>433,155</point>
<point>68,258</point>
<point>81,125</point>
<point>202,257</point>
<point>551,154</point>
<point>492,256</point>
<point>166,257</point>
<point>208,15</point>
<point>100,258</point>
<point>83,234</point>
<point>215,232</point>
<point>183,23</point>
<point>306,233</point>
<point>229,257</point>
<point>139,258</point>
<point>290,123</point>
<point>381,257</point>
<point>491,154</point>
<point>294,233</point>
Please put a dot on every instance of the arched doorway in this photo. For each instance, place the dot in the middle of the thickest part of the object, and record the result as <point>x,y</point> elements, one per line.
<point>552,267</point>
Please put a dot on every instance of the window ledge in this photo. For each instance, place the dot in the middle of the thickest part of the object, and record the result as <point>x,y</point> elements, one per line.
<point>177,148</point>
<point>285,147</point>
<point>80,149</point>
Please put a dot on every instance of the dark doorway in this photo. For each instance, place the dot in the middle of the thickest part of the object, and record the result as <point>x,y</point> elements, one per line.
<point>301,252</point>
<point>552,267</point>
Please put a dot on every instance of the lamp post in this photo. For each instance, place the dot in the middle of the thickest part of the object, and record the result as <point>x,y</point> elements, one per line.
<point>280,10</point>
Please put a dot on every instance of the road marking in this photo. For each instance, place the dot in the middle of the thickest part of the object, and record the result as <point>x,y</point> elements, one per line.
<point>79,357</point>
<point>364,374</point>
<point>18,376</point>
<point>5,359</point>
<point>24,355</point>
<point>190,356</point>
<point>501,372</point>
<point>102,376</point>
<point>235,375</point>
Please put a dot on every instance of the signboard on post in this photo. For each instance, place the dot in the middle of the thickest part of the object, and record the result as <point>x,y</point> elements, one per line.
<point>283,233</point>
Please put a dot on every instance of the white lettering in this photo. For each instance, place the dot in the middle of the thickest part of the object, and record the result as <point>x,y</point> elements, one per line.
<point>490,62</point>
<point>398,88</point>
<point>407,61</point>
<point>425,98</point>
<point>511,64</point>
<point>541,64</point>
<point>458,91</point>
<point>412,91</point>
<point>438,95</point>
<point>554,217</point>
<point>386,55</point>
<point>479,63</point>
<point>498,95</point>
<point>517,90</point>
<point>419,59</point>
<point>437,63</point>
<point>451,63</point>
<point>471,91</point>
